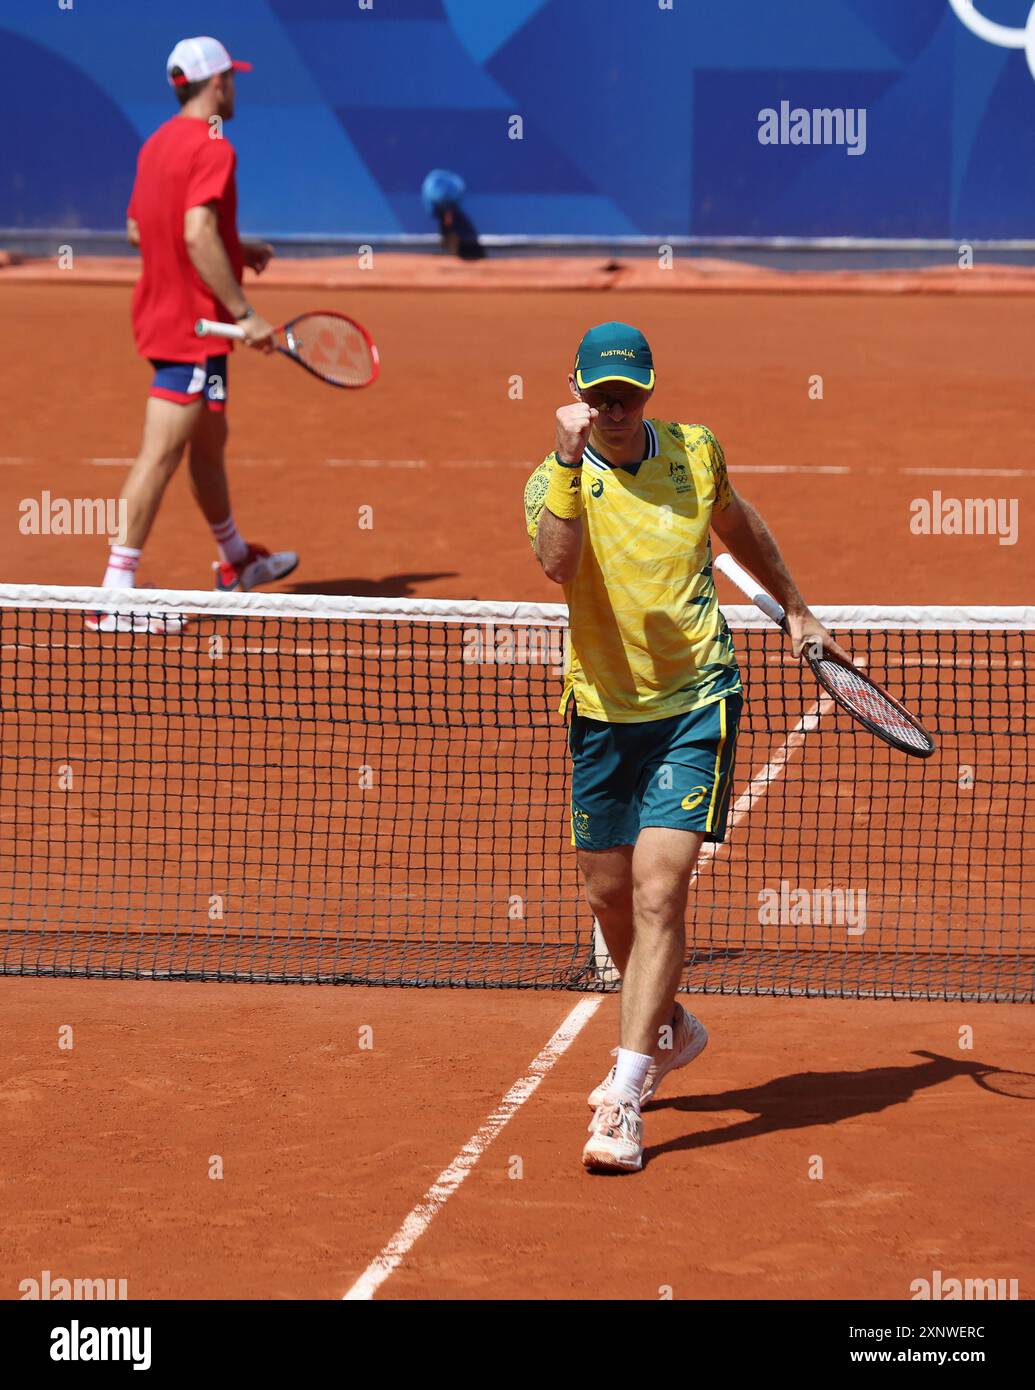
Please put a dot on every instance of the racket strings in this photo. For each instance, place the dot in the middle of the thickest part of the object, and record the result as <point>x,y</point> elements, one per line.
<point>865,700</point>
<point>1018,1084</point>
<point>332,347</point>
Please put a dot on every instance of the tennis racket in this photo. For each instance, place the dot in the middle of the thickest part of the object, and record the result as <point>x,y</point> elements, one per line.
<point>330,346</point>
<point>1019,1085</point>
<point>867,702</point>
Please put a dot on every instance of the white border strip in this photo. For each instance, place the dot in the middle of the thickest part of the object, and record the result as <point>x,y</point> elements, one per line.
<point>388,1260</point>
<point>928,619</point>
<point>334,607</point>
<point>348,241</point>
<point>341,608</point>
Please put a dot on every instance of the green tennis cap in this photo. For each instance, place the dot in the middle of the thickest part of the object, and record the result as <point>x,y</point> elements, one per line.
<point>614,352</point>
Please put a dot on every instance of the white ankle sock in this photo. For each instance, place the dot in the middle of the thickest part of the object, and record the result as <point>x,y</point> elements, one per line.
<point>630,1072</point>
<point>122,568</point>
<point>232,547</point>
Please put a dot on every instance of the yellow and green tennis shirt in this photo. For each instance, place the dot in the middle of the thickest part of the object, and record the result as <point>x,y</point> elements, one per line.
<point>647,637</point>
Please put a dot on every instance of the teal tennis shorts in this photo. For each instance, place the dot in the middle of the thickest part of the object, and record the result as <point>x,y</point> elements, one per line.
<point>674,772</point>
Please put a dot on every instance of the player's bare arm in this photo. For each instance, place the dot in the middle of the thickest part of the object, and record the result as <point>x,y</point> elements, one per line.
<point>257,254</point>
<point>750,541</point>
<point>558,544</point>
<point>208,256</point>
<point>132,231</point>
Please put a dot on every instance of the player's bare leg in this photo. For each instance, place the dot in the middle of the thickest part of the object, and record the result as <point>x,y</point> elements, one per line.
<point>207,459</point>
<point>657,1035</point>
<point>242,566</point>
<point>607,876</point>
<point>167,428</point>
<point>662,864</point>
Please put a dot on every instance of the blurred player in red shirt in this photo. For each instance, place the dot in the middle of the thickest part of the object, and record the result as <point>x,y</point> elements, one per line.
<point>183,216</point>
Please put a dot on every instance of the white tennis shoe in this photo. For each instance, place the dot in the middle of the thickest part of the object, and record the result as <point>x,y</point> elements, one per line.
<point>257,567</point>
<point>615,1143</point>
<point>163,624</point>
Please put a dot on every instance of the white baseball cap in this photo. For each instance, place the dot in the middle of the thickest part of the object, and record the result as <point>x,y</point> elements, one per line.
<point>199,59</point>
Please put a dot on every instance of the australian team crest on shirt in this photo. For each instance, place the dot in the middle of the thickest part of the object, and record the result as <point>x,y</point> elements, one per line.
<point>680,477</point>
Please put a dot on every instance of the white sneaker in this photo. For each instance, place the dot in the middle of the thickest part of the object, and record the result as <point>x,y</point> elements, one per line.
<point>615,1143</point>
<point>257,567</point>
<point>164,624</point>
<point>689,1039</point>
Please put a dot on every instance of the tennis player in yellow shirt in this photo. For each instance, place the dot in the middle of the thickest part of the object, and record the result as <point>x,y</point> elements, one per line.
<point>620,514</point>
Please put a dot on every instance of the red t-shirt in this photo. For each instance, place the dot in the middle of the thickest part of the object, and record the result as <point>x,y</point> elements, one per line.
<point>179,167</point>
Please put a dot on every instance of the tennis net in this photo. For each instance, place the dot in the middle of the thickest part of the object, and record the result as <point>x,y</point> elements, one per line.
<point>299,788</point>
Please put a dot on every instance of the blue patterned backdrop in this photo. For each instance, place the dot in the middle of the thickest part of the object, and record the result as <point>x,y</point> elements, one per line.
<point>637,119</point>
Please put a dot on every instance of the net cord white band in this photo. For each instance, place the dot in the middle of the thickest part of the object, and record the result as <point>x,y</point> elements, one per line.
<point>342,608</point>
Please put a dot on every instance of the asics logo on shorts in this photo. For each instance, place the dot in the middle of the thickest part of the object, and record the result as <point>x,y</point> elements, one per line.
<point>694,798</point>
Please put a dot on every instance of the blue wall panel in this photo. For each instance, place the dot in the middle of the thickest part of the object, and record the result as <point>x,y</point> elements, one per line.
<point>637,119</point>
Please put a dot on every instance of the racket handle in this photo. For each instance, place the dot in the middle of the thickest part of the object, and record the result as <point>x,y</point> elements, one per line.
<point>739,576</point>
<point>206,328</point>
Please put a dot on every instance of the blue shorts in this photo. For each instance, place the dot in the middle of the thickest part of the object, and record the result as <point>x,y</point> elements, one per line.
<point>187,382</point>
<point>675,772</point>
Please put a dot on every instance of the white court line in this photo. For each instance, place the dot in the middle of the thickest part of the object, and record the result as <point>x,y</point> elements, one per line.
<point>762,781</point>
<point>791,468</point>
<point>490,463</point>
<point>125,463</point>
<point>528,464</point>
<point>384,1264</point>
<point>835,469</point>
<point>970,472</point>
<point>376,463</point>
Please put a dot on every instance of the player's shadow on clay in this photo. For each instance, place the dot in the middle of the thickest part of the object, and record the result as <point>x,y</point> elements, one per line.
<point>389,586</point>
<point>810,1098</point>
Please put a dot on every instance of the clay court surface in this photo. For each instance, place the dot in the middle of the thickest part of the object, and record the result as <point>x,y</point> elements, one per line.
<point>328,1146</point>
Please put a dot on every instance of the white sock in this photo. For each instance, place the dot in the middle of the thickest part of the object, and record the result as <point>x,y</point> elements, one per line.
<point>630,1074</point>
<point>232,547</point>
<point>122,568</point>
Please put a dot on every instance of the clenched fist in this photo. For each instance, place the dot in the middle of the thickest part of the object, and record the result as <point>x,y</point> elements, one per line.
<point>574,423</point>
